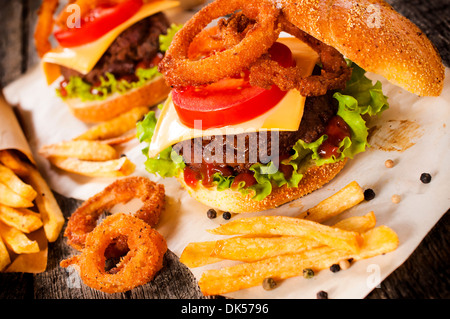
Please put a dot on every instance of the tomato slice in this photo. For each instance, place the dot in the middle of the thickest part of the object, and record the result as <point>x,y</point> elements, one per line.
<point>229,101</point>
<point>97,23</point>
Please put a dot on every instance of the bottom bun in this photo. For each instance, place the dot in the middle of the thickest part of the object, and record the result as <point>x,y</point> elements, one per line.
<point>233,201</point>
<point>99,111</point>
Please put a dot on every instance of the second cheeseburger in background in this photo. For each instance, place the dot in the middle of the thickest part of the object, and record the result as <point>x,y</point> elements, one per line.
<point>107,54</point>
<point>265,108</point>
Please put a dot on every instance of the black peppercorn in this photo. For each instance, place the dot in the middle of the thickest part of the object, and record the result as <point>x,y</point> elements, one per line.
<point>369,194</point>
<point>308,273</point>
<point>425,178</point>
<point>269,284</point>
<point>335,268</point>
<point>322,295</point>
<point>211,213</point>
<point>226,215</point>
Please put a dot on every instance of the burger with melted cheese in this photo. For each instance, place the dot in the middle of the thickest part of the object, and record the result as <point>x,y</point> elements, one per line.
<point>107,52</point>
<point>263,137</point>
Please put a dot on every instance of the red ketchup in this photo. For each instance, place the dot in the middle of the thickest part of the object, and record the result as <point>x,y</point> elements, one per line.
<point>243,177</point>
<point>336,131</point>
<point>205,173</point>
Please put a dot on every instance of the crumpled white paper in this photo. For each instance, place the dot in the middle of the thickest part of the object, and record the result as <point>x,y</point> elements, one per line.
<point>414,129</point>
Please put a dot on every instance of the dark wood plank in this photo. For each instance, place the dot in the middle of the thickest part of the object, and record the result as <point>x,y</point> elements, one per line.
<point>11,55</point>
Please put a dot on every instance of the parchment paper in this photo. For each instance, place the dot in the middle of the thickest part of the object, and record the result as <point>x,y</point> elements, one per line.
<point>413,132</point>
<point>11,134</point>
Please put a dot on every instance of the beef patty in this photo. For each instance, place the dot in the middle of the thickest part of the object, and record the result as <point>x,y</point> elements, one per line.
<point>245,148</point>
<point>139,43</point>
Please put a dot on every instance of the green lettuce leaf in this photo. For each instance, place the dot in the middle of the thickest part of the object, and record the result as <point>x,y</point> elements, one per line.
<point>77,88</point>
<point>166,39</point>
<point>168,163</point>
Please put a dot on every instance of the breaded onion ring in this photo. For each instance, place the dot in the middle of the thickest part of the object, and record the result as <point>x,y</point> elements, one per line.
<point>137,267</point>
<point>44,26</point>
<point>84,219</point>
<point>335,72</point>
<point>179,70</point>
<point>226,34</point>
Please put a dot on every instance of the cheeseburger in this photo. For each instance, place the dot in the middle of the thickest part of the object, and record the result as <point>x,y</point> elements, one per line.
<point>270,101</point>
<point>107,52</point>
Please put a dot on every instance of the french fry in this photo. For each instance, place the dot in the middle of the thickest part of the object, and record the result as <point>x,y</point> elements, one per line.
<point>4,255</point>
<point>112,168</point>
<point>290,226</point>
<point>9,198</point>
<point>377,241</point>
<point>51,215</point>
<point>23,219</point>
<point>249,249</point>
<point>199,254</point>
<point>360,224</point>
<point>83,150</point>
<point>17,241</point>
<point>347,197</point>
<point>120,139</point>
<point>12,161</point>
<point>115,127</point>
<point>10,179</point>
<point>33,262</point>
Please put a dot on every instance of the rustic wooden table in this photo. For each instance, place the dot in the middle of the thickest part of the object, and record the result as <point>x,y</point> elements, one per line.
<point>425,275</point>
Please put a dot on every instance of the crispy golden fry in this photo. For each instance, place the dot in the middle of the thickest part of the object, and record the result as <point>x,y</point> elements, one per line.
<point>251,249</point>
<point>115,127</point>
<point>120,139</point>
<point>4,255</point>
<point>17,241</point>
<point>347,197</point>
<point>360,224</point>
<point>48,207</point>
<point>33,262</point>
<point>23,219</point>
<point>10,198</point>
<point>377,241</point>
<point>11,180</point>
<point>44,27</point>
<point>199,254</point>
<point>290,226</point>
<point>12,161</point>
<point>83,150</point>
<point>112,168</point>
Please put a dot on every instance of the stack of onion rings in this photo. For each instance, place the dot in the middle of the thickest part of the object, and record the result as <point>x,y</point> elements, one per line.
<point>334,75</point>
<point>85,218</point>
<point>139,266</point>
<point>179,70</point>
<point>197,56</point>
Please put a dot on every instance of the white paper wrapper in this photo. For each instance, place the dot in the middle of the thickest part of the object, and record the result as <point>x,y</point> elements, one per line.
<point>413,133</point>
<point>11,134</point>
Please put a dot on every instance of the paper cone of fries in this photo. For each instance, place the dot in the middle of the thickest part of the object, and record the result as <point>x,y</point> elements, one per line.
<point>29,214</point>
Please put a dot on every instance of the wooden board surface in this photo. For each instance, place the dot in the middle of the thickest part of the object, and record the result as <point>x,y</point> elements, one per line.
<point>425,275</point>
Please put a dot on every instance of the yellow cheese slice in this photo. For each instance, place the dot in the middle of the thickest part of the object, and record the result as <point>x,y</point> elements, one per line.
<point>83,58</point>
<point>285,116</point>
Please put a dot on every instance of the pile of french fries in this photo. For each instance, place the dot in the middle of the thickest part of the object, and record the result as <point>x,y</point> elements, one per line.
<point>93,153</point>
<point>280,247</point>
<point>30,216</point>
